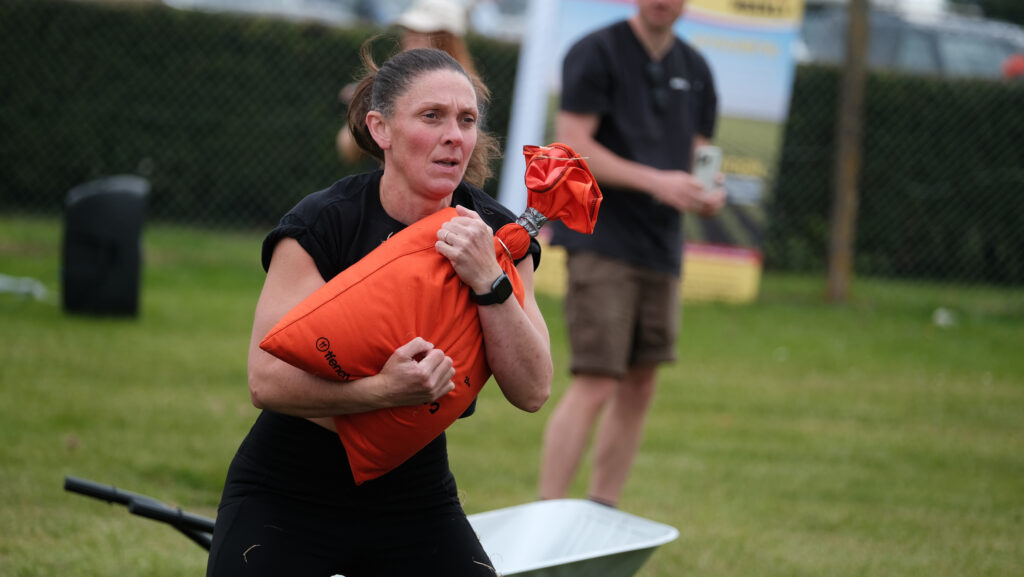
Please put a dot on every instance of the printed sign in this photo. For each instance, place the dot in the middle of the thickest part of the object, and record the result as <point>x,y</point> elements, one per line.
<point>748,44</point>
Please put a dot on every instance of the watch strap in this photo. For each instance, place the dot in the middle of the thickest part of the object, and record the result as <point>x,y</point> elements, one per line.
<point>501,289</point>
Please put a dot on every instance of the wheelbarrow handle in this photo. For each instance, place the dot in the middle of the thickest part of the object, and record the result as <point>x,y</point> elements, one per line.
<point>107,493</point>
<point>176,517</point>
<point>197,528</point>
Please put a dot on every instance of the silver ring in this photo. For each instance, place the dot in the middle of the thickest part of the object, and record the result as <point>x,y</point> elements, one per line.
<point>446,233</point>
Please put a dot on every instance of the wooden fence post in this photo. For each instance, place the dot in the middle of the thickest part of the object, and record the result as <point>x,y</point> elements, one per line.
<point>848,155</point>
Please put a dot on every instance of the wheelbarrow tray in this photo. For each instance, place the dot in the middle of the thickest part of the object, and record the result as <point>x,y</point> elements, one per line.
<point>568,538</point>
<point>556,538</point>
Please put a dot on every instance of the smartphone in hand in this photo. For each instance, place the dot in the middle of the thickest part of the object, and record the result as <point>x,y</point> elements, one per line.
<point>707,163</point>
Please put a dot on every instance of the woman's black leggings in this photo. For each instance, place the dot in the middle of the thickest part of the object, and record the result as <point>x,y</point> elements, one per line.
<point>266,535</point>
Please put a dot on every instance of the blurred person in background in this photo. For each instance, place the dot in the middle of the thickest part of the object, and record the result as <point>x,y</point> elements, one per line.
<point>636,101</point>
<point>437,24</point>
<point>290,505</point>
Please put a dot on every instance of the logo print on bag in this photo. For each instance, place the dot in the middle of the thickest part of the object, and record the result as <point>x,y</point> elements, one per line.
<point>324,346</point>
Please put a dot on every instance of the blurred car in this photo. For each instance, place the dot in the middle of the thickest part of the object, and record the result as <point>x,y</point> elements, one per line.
<point>504,19</point>
<point>335,12</point>
<point>946,44</point>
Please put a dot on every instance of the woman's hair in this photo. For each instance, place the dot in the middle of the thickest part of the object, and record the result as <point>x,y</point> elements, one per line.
<point>382,86</point>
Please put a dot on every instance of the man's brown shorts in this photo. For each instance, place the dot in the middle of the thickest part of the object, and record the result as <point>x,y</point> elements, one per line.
<point>619,315</point>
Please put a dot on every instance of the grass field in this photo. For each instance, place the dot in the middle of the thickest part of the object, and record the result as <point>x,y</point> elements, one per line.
<point>793,438</point>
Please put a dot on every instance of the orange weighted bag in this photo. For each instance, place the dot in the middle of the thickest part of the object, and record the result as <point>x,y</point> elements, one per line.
<point>349,328</point>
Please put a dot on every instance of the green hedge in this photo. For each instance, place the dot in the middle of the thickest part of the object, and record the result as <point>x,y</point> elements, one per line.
<point>233,120</point>
<point>231,117</point>
<point>941,184</point>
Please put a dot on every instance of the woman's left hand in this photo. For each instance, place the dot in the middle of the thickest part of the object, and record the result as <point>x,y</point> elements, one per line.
<point>468,242</point>
<point>516,340</point>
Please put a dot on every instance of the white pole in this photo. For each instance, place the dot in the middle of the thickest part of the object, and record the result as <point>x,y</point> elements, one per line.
<point>529,100</point>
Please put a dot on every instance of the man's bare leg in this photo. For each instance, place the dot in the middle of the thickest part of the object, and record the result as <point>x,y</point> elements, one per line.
<point>568,432</point>
<point>618,438</point>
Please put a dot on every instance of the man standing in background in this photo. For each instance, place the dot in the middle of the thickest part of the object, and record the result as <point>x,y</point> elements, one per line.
<point>636,101</point>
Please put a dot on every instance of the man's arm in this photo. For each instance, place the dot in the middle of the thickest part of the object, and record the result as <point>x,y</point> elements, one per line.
<point>675,188</point>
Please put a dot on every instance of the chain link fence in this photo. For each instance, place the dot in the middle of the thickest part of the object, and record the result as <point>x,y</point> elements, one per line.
<point>941,180</point>
<point>233,118</point>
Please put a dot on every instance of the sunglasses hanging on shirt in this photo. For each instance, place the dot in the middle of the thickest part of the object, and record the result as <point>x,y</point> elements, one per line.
<point>654,73</point>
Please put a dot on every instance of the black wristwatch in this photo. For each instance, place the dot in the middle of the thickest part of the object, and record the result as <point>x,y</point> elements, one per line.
<point>501,288</point>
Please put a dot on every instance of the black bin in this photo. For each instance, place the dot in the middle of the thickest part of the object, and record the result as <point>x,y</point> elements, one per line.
<point>102,253</point>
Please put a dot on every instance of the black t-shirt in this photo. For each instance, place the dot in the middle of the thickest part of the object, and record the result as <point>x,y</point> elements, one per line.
<point>606,73</point>
<point>341,224</point>
<point>288,455</point>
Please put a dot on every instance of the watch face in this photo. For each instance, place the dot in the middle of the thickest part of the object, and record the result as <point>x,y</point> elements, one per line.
<point>502,288</point>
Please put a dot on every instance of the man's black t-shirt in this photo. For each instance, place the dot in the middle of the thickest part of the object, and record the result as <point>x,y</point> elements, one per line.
<point>649,112</point>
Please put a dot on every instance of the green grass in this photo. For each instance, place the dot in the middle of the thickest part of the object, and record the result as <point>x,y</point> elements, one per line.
<point>793,438</point>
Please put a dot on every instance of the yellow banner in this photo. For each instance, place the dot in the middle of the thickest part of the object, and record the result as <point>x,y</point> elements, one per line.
<point>774,11</point>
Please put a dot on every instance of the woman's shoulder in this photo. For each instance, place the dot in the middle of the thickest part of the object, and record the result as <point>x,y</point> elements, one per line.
<point>484,204</point>
<point>321,219</point>
<point>353,188</point>
<point>344,198</point>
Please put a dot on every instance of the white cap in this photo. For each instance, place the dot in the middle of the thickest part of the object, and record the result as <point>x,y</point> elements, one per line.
<point>434,16</point>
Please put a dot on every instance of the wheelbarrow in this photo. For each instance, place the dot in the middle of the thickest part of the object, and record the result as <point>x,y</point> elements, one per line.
<point>554,538</point>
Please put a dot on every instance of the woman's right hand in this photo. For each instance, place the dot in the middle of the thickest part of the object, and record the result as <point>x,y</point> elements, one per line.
<point>416,373</point>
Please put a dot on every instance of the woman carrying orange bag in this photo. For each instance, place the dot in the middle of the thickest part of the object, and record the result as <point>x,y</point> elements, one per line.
<point>290,505</point>
<point>344,331</point>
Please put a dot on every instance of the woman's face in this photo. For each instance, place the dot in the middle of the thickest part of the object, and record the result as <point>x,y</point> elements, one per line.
<point>430,137</point>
